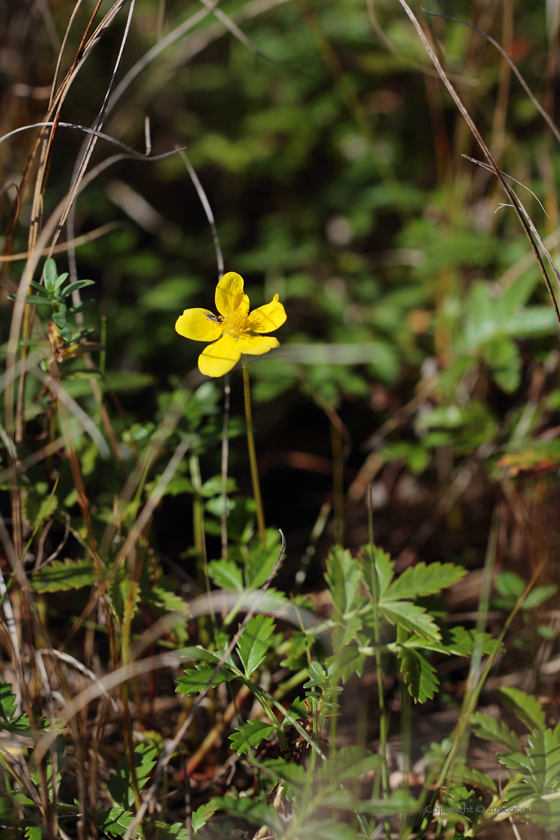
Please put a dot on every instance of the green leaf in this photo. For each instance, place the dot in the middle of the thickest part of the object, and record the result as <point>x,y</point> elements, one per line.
<point>255,642</point>
<point>492,729</point>
<point>7,701</point>
<point>525,707</point>
<point>286,770</point>
<point>344,577</point>
<point>530,806</point>
<point>420,580</point>
<point>60,576</point>
<point>250,734</point>
<point>226,574</point>
<point>261,560</point>
<point>504,360</point>
<point>469,776</point>
<point>50,274</point>
<point>33,832</point>
<point>120,783</point>
<point>162,597</point>
<point>34,300</point>
<point>196,680</point>
<point>114,821</point>
<point>347,661</point>
<point>11,722</point>
<point>40,289</point>
<point>411,617</point>
<point>37,509</point>
<point>458,641</point>
<point>73,287</point>
<point>419,675</point>
<point>538,595</point>
<point>201,816</point>
<point>85,304</point>
<point>509,585</point>
<point>377,569</point>
<point>349,763</point>
<point>59,319</point>
<point>544,755</point>
<point>256,812</point>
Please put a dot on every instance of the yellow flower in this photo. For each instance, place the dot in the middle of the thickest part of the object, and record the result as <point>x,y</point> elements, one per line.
<point>235,330</point>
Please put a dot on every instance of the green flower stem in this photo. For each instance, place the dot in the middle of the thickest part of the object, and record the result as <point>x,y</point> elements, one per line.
<point>252,453</point>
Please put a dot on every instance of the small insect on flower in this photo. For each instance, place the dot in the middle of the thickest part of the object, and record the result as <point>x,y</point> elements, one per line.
<point>235,330</point>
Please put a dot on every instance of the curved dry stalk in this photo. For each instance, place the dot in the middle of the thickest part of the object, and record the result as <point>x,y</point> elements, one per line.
<point>145,666</point>
<point>83,239</point>
<point>172,745</point>
<point>487,154</point>
<point>544,114</point>
<point>222,601</point>
<point>64,397</point>
<point>74,663</point>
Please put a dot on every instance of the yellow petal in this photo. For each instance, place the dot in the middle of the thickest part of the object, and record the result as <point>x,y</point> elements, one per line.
<point>267,318</point>
<point>255,345</point>
<point>199,325</point>
<point>220,357</point>
<point>229,294</point>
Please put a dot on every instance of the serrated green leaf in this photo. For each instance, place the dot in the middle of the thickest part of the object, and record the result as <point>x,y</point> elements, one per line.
<point>458,641</point>
<point>544,754</point>
<point>226,574</point>
<point>255,642</point>
<point>530,806</point>
<point>421,580</point>
<point>517,761</point>
<point>286,770</point>
<point>196,680</point>
<point>201,816</point>
<point>250,734</point>
<point>343,577</point>
<point>377,569</point>
<point>114,821</point>
<point>120,782</point>
<point>33,832</point>
<point>419,675</point>
<point>524,706</point>
<point>8,704</point>
<point>492,729</point>
<point>163,599</point>
<point>411,617</point>
<point>347,764</point>
<point>62,575</point>
<point>469,776</point>
<point>261,560</point>
<point>256,812</point>
<point>347,662</point>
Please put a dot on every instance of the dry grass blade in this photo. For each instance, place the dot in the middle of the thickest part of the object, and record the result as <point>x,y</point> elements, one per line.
<point>75,409</point>
<point>544,114</point>
<point>486,151</point>
<point>74,663</point>
<point>84,239</point>
<point>172,745</point>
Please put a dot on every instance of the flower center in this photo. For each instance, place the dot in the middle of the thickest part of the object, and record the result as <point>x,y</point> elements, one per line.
<point>234,324</point>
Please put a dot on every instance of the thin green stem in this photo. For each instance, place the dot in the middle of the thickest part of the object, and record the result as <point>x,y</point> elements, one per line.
<point>252,452</point>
